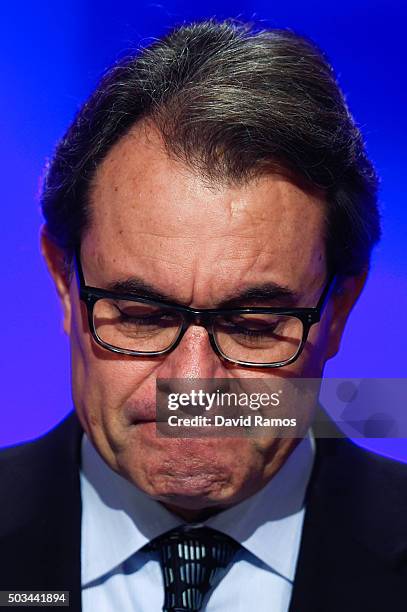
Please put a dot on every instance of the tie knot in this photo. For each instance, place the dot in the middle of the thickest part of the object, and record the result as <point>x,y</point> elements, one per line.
<point>193,561</point>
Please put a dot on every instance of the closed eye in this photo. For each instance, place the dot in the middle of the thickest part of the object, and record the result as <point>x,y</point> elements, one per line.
<point>146,318</point>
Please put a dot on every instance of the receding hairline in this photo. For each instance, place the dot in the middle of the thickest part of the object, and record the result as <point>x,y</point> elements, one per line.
<point>228,123</point>
<point>148,128</point>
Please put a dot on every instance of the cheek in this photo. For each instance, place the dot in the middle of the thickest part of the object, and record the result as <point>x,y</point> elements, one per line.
<point>103,383</point>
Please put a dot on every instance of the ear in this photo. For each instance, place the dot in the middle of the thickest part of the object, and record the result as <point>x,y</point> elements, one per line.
<point>56,263</point>
<point>344,297</point>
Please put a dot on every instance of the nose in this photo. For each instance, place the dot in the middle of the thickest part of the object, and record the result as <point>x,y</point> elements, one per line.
<point>193,358</point>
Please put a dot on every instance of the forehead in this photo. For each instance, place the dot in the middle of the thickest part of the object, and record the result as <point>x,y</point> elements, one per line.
<point>153,217</point>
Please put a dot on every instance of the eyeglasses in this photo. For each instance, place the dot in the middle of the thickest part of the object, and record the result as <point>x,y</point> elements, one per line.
<point>261,337</point>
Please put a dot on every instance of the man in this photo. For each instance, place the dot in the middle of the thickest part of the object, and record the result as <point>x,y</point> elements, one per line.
<point>218,171</point>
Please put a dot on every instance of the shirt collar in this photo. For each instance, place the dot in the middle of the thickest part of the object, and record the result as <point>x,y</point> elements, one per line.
<point>269,523</point>
<point>118,518</point>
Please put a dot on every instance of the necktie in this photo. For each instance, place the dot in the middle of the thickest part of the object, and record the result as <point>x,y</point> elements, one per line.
<point>193,561</point>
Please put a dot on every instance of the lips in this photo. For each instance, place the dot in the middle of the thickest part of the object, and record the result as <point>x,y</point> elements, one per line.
<point>144,410</point>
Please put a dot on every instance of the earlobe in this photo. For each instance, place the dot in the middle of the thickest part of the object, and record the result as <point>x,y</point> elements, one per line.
<point>55,260</point>
<point>343,300</point>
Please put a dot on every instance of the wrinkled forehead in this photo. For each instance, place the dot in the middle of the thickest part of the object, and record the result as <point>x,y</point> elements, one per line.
<point>148,207</point>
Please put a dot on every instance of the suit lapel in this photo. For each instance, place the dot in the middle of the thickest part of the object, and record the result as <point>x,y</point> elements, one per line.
<point>41,517</point>
<point>353,548</point>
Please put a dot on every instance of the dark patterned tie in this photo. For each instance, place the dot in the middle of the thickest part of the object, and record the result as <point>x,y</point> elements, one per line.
<point>193,561</point>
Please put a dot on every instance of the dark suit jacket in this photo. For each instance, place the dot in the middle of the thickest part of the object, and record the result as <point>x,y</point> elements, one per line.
<point>353,555</point>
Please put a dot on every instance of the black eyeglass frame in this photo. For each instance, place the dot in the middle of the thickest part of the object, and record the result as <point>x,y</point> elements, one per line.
<point>199,316</point>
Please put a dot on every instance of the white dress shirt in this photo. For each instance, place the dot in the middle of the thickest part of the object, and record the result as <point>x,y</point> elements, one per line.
<point>118,520</point>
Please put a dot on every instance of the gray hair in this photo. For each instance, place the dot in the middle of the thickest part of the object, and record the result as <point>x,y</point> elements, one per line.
<point>231,102</point>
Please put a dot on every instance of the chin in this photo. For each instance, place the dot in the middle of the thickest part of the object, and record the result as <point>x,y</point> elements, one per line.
<point>190,473</point>
<point>196,479</point>
<point>192,490</point>
<point>196,497</point>
<point>193,487</point>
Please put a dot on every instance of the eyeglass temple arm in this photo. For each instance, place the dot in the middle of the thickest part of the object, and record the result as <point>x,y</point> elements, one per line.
<point>78,270</point>
<point>326,294</point>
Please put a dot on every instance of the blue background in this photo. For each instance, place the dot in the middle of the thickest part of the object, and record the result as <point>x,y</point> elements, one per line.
<point>52,54</point>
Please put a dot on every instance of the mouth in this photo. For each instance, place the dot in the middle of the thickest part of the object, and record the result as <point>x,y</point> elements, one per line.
<point>138,414</point>
<point>143,419</point>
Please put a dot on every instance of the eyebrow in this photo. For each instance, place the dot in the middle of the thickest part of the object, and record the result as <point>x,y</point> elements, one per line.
<point>266,292</point>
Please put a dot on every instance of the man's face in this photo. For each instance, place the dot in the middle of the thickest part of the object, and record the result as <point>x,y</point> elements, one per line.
<point>155,220</point>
